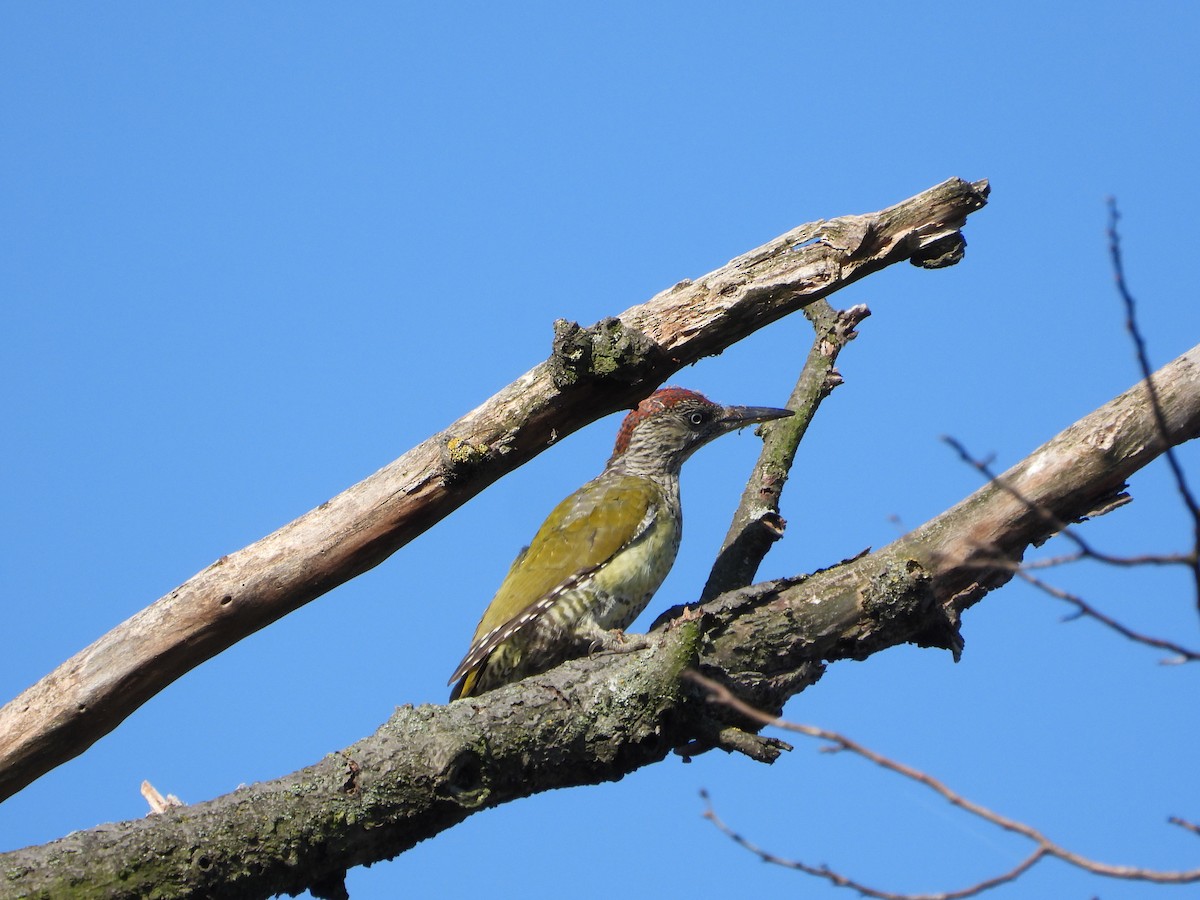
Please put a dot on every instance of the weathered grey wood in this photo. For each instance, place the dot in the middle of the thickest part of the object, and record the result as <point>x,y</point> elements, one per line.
<point>591,373</point>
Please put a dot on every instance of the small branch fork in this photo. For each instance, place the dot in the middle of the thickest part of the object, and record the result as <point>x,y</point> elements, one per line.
<point>1044,848</point>
<point>1084,549</point>
<point>1083,609</point>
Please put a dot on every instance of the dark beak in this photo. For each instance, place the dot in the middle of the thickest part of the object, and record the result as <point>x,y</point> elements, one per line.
<point>740,416</point>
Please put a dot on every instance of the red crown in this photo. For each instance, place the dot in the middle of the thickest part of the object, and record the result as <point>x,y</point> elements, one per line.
<point>664,398</point>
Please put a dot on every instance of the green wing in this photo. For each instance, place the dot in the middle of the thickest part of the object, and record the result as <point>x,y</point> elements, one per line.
<point>583,532</point>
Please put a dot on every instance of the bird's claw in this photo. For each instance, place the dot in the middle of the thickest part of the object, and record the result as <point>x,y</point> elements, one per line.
<point>617,641</point>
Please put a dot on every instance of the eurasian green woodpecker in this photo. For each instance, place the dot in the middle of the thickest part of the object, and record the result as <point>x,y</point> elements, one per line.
<point>598,559</point>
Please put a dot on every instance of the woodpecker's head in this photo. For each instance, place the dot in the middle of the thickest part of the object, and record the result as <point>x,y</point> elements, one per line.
<point>672,423</point>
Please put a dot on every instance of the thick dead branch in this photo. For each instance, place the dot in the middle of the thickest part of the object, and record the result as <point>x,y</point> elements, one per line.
<point>598,719</point>
<point>592,372</point>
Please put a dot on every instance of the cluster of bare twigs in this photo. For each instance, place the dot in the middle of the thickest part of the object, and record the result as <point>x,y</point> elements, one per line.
<point>1043,847</point>
<point>1083,550</point>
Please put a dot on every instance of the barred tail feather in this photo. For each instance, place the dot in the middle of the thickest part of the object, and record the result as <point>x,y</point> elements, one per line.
<point>468,671</point>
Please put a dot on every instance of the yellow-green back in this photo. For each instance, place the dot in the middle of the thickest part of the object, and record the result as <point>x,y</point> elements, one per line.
<point>584,531</point>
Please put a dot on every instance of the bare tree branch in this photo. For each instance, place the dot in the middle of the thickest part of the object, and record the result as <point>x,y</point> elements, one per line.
<point>1184,824</point>
<point>598,719</point>
<point>1139,559</point>
<point>1045,847</point>
<point>840,880</point>
<point>757,524</point>
<point>1085,550</point>
<point>1085,609</point>
<point>592,372</point>
<point>1143,358</point>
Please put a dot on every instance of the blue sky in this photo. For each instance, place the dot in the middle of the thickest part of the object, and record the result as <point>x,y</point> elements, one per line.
<point>253,253</point>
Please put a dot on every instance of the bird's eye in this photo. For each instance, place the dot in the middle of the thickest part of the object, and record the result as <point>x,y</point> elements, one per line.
<point>697,418</point>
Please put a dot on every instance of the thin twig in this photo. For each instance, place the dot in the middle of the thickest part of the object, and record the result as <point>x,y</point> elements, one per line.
<point>1142,559</point>
<point>1185,824</point>
<point>1083,608</point>
<point>840,880</point>
<point>1143,358</point>
<point>718,693</point>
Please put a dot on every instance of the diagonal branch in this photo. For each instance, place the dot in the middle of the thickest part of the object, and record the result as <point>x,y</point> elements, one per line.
<point>757,524</point>
<point>601,718</point>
